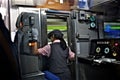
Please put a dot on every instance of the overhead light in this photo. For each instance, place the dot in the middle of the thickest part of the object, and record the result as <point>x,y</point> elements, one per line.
<point>61,1</point>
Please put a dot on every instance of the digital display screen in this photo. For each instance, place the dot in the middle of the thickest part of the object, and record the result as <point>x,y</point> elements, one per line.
<point>111,30</point>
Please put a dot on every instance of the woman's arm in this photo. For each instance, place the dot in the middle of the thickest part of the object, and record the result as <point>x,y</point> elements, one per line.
<point>40,51</point>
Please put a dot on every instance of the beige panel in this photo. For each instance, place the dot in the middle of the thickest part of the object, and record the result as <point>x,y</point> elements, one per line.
<point>53,4</point>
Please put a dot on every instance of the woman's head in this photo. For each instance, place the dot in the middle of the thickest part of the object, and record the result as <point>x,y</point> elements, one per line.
<point>57,34</point>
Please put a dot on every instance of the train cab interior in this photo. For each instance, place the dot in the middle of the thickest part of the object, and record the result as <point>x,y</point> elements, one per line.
<point>91,29</point>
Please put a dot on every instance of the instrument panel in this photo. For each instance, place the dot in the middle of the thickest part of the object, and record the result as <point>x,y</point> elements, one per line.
<point>105,48</point>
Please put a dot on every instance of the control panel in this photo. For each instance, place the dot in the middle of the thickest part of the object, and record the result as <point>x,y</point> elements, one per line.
<point>105,48</point>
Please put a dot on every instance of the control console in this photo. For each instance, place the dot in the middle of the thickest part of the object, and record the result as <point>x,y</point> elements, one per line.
<point>105,48</point>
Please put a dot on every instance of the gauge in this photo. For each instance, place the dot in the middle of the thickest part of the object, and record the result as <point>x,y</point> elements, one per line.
<point>106,50</point>
<point>114,54</point>
<point>98,49</point>
<point>92,24</point>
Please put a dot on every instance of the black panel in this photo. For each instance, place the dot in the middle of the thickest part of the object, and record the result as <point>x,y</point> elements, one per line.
<point>109,48</point>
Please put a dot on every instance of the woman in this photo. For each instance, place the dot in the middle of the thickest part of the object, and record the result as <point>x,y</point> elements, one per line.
<point>58,53</point>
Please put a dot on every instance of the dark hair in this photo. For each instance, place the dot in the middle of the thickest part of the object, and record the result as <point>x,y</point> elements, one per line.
<point>58,35</point>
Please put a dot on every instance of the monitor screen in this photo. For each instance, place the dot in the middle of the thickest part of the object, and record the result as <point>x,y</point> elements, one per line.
<point>111,29</point>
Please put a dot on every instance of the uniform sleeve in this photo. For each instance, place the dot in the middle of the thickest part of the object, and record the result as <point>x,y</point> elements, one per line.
<point>45,50</point>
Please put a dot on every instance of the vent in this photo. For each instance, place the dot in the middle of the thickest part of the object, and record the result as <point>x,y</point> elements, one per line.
<point>24,2</point>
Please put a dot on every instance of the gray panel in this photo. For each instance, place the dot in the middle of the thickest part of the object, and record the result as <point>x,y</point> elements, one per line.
<point>84,49</point>
<point>29,64</point>
<point>83,29</point>
<point>81,36</point>
<point>27,31</point>
<point>84,35</point>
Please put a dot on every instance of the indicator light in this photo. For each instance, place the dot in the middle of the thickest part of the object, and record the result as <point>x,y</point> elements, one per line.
<point>116,44</point>
<point>114,54</point>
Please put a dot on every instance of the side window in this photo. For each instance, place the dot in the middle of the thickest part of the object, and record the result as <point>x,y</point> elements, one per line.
<point>57,23</point>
